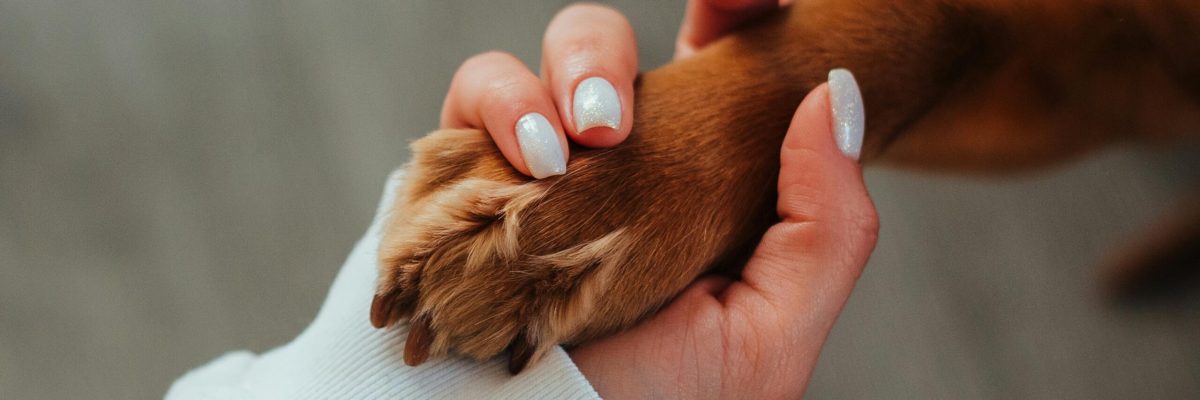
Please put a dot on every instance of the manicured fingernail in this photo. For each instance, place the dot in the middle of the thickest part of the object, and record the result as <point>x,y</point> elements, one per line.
<point>849,119</point>
<point>540,146</point>
<point>596,104</point>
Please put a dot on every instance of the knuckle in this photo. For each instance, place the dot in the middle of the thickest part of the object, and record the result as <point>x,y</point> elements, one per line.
<point>866,222</point>
<point>505,86</point>
<point>593,11</point>
<point>485,59</point>
<point>508,96</point>
<point>592,35</point>
<point>589,20</point>
<point>580,49</point>
<point>858,224</point>
<point>496,74</point>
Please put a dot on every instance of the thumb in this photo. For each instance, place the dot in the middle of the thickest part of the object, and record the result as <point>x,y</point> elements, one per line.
<point>806,265</point>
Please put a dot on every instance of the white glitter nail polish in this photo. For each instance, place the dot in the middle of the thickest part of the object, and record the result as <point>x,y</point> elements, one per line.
<point>596,104</point>
<point>849,118</point>
<point>540,146</point>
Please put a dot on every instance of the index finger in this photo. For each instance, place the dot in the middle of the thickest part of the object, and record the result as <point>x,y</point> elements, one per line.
<point>495,92</point>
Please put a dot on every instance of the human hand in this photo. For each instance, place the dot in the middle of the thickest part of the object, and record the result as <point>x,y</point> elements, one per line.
<point>585,91</point>
<point>759,337</point>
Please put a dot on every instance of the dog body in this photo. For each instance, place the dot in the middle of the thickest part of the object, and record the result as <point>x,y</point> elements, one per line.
<point>483,259</point>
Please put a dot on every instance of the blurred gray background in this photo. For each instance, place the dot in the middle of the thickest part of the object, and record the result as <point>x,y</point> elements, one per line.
<point>181,178</point>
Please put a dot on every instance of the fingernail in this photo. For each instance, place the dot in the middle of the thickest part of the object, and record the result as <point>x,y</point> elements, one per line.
<point>849,119</point>
<point>540,146</point>
<point>596,104</point>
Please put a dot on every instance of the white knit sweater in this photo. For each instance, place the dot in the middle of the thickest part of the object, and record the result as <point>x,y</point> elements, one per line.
<point>340,356</point>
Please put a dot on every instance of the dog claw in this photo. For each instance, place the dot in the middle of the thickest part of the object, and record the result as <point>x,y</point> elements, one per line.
<point>420,338</point>
<point>520,353</point>
<point>381,311</point>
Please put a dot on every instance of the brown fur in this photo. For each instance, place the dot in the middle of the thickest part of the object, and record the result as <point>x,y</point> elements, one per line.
<point>483,259</point>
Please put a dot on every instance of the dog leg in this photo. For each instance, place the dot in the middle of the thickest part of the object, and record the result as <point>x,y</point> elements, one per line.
<point>483,260</point>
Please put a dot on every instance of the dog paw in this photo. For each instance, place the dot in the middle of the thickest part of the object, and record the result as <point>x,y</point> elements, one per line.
<point>480,259</point>
<point>458,259</point>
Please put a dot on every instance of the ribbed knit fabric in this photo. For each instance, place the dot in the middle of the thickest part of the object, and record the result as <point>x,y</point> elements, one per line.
<point>341,356</point>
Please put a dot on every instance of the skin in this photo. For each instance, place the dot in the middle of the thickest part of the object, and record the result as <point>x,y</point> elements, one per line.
<point>491,91</point>
<point>758,337</point>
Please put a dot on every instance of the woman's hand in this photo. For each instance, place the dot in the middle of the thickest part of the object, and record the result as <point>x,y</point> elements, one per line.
<point>585,92</point>
<point>759,337</point>
<point>754,338</point>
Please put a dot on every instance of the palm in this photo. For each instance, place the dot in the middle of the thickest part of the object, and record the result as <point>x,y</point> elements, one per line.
<point>711,342</point>
<point>758,337</point>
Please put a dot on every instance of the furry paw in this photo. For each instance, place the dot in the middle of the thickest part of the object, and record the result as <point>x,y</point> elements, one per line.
<point>456,261</point>
<point>481,260</point>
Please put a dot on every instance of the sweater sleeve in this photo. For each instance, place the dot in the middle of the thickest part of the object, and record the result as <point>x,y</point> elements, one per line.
<point>341,356</point>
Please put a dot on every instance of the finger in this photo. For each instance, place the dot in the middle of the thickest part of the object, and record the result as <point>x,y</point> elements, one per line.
<point>807,264</point>
<point>707,20</point>
<point>589,60</point>
<point>711,285</point>
<point>494,91</point>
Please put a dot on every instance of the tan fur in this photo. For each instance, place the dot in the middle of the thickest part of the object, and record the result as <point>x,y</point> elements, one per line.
<point>483,259</point>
